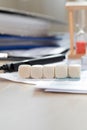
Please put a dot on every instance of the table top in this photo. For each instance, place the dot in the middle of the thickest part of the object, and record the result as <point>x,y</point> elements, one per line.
<point>22,107</point>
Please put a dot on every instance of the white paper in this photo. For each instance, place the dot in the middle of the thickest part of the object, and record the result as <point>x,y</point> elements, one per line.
<point>65,85</point>
<point>68,85</point>
<point>16,78</point>
<point>70,88</point>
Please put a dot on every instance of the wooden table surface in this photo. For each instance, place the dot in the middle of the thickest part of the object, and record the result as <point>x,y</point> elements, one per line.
<point>22,107</point>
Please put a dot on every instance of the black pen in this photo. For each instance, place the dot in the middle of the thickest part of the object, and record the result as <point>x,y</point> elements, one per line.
<point>12,67</point>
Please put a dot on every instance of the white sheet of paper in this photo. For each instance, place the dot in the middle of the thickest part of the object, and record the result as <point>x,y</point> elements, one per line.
<point>69,88</point>
<point>16,78</point>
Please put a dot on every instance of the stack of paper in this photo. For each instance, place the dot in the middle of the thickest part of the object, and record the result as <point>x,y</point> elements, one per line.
<point>52,85</point>
<point>66,85</point>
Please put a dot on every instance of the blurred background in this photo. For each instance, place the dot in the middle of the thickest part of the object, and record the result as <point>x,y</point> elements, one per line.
<point>55,8</point>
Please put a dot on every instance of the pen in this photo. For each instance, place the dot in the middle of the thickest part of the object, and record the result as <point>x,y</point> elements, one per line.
<point>12,67</point>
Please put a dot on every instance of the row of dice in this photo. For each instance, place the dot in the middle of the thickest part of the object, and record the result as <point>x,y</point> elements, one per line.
<point>50,71</point>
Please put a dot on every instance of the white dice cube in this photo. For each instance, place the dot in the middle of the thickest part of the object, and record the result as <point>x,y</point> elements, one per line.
<point>48,71</point>
<point>61,71</point>
<point>74,70</point>
<point>36,71</point>
<point>24,71</point>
